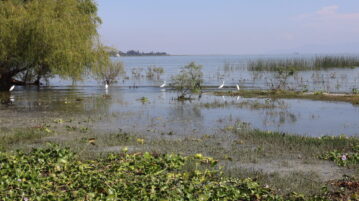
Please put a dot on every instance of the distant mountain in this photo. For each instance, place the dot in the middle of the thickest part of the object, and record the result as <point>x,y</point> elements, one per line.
<point>138,53</point>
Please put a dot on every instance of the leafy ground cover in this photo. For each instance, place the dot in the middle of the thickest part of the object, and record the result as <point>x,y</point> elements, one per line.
<point>343,158</point>
<point>57,173</point>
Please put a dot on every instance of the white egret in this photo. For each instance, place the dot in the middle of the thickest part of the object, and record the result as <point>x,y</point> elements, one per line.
<point>106,84</point>
<point>238,87</point>
<point>12,88</point>
<point>164,84</point>
<point>221,86</point>
<point>12,99</point>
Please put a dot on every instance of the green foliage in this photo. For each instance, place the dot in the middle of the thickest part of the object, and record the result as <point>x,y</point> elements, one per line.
<point>343,158</point>
<point>55,173</point>
<point>189,80</point>
<point>318,93</point>
<point>281,75</point>
<point>143,100</point>
<point>108,72</point>
<point>48,37</point>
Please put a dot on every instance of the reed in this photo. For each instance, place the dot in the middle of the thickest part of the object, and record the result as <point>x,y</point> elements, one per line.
<point>303,64</point>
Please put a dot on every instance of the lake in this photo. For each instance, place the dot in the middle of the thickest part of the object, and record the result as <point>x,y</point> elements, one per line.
<point>121,107</point>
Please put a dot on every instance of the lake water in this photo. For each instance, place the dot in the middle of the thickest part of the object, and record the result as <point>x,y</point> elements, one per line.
<point>121,108</point>
<point>231,69</point>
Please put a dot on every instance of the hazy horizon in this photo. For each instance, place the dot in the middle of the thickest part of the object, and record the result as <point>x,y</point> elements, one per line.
<point>234,27</point>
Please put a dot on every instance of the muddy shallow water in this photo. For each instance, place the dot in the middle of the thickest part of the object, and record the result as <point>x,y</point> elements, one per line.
<point>122,108</point>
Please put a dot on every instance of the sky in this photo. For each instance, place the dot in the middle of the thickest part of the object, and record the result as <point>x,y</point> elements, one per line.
<point>231,26</point>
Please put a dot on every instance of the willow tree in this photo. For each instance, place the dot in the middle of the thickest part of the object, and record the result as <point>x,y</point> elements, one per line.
<point>105,70</point>
<point>47,37</point>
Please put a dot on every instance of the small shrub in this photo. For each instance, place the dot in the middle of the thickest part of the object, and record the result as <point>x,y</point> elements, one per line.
<point>109,73</point>
<point>188,81</point>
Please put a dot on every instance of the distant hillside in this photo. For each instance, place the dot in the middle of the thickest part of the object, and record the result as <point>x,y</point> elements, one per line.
<point>138,53</point>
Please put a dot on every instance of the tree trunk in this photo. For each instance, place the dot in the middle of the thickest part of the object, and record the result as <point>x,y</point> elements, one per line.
<point>5,82</point>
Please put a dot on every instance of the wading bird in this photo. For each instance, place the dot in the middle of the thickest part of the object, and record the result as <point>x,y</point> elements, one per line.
<point>106,84</point>
<point>163,85</point>
<point>221,86</point>
<point>238,87</point>
<point>12,88</point>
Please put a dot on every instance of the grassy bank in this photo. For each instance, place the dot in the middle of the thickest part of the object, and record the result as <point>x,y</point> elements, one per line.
<point>321,96</point>
<point>303,64</point>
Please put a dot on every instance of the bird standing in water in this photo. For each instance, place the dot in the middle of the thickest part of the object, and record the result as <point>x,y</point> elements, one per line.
<point>221,86</point>
<point>164,84</point>
<point>238,87</point>
<point>12,88</point>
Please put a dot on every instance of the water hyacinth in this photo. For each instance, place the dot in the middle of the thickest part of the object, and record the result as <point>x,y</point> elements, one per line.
<point>57,174</point>
<point>343,159</point>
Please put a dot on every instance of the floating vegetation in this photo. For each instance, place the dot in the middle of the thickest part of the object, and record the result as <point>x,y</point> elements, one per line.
<point>143,100</point>
<point>56,173</point>
<point>343,158</point>
<point>303,64</point>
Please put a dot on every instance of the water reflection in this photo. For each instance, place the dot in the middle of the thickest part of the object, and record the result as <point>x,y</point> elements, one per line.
<point>161,113</point>
<point>6,98</point>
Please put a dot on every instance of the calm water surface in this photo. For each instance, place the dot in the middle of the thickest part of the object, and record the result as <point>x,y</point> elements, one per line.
<point>122,108</point>
<point>231,69</point>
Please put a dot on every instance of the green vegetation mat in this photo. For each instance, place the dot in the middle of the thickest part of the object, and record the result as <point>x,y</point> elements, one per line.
<point>55,173</point>
<point>343,158</point>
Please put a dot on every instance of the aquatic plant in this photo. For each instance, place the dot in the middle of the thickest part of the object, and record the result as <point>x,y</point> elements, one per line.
<point>303,64</point>
<point>56,173</point>
<point>326,62</point>
<point>281,75</point>
<point>143,100</point>
<point>154,73</point>
<point>137,73</point>
<point>188,81</point>
<point>279,63</point>
<point>343,158</point>
<point>109,73</point>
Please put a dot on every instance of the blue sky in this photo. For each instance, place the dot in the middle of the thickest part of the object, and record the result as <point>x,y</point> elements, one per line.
<point>231,26</point>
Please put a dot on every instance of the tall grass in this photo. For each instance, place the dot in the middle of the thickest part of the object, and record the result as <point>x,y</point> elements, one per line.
<point>302,64</point>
